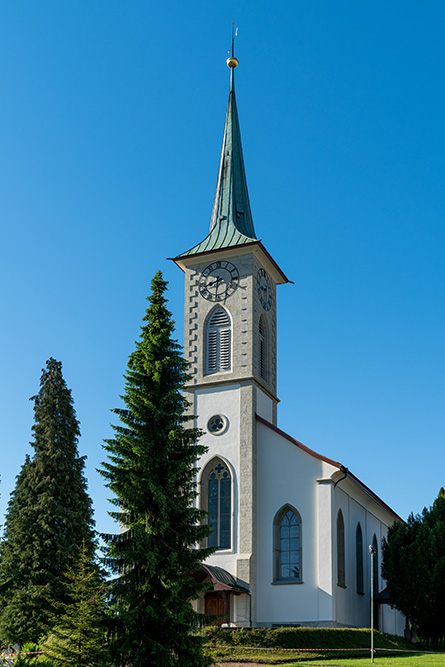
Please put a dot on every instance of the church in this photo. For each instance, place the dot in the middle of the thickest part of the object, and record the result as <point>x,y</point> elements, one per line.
<point>291,527</point>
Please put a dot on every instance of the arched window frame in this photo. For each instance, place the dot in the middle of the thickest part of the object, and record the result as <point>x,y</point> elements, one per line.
<point>341,551</point>
<point>224,515</point>
<point>278,554</point>
<point>375,562</point>
<point>359,560</point>
<point>218,341</point>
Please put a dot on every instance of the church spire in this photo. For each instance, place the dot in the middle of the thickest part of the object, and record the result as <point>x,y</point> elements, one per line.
<point>231,223</point>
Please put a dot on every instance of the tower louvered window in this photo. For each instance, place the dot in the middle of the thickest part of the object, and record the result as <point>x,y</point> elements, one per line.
<point>219,342</point>
<point>262,348</point>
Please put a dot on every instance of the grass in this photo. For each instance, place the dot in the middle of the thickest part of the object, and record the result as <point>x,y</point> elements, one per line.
<point>391,651</point>
<point>413,660</point>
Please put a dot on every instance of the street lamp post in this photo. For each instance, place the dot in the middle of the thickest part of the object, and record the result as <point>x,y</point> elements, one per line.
<point>372,551</point>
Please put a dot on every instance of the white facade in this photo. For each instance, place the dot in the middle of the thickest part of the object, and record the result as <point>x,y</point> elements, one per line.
<point>287,473</point>
<point>291,527</point>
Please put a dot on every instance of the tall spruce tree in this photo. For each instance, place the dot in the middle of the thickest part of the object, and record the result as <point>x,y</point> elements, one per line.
<point>49,516</point>
<point>151,469</point>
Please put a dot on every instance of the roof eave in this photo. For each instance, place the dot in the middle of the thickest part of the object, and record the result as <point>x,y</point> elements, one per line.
<point>349,475</point>
<point>183,261</point>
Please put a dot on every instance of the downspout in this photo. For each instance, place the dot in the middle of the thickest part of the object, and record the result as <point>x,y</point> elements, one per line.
<point>345,470</point>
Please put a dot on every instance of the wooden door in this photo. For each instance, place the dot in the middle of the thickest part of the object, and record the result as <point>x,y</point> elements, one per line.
<point>217,604</point>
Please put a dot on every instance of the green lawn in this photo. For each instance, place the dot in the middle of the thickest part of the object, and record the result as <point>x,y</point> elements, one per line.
<point>415,660</point>
<point>324,660</point>
<point>349,647</point>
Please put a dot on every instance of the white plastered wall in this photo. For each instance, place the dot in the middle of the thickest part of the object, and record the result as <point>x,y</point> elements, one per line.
<point>287,475</point>
<point>222,401</point>
<point>352,608</point>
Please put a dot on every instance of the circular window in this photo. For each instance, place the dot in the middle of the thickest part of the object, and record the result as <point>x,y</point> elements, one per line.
<point>217,424</point>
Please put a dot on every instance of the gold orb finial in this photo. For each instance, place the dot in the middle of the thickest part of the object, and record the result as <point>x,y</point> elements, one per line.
<point>232,62</point>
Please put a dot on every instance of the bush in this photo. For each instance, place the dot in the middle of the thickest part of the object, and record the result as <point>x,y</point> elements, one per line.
<point>323,638</point>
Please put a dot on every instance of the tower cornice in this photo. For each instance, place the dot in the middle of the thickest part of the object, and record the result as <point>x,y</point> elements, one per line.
<point>255,246</point>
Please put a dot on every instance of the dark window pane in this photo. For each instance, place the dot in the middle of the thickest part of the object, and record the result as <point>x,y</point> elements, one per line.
<point>213,512</point>
<point>213,499</point>
<point>213,537</point>
<point>284,571</point>
<point>225,539</point>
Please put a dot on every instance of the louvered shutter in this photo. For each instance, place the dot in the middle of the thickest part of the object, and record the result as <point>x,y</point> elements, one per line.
<point>261,350</point>
<point>225,350</point>
<point>211,352</point>
<point>219,342</point>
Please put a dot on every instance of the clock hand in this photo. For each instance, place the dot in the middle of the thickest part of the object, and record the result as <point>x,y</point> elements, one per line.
<point>217,280</point>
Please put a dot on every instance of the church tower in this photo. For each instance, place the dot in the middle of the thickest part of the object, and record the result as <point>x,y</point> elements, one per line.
<point>230,343</point>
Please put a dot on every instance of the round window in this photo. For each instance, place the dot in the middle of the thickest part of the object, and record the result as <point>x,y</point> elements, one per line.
<point>217,424</point>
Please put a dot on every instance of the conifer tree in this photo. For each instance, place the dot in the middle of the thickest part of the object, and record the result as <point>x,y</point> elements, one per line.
<point>49,516</point>
<point>414,568</point>
<point>151,471</point>
<point>77,638</point>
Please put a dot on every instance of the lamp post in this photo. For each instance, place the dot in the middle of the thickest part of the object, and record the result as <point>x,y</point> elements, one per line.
<point>372,551</point>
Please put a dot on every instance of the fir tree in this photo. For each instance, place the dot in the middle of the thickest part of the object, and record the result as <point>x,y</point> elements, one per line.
<point>78,635</point>
<point>49,516</point>
<point>151,469</point>
<point>414,568</point>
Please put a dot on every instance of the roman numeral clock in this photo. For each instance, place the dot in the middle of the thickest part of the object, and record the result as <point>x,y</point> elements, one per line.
<point>218,281</point>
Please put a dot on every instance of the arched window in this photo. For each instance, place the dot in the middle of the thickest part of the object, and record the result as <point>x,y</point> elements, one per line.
<point>341,567</point>
<point>375,574</point>
<point>262,347</point>
<point>375,565</point>
<point>217,492</point>
<point>219,341</point>
<point>359,559</point>
<point>287,545</point>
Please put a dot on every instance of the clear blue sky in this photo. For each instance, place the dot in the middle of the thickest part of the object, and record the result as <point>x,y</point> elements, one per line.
<point>111,117</point>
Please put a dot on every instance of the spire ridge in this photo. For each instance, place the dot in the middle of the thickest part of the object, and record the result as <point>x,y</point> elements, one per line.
<point>231,223</point>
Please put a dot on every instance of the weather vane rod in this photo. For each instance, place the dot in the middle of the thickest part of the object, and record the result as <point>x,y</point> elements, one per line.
<point>234,34</point>
<point>232,62</point>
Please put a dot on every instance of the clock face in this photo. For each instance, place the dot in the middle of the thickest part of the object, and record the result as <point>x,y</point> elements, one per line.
<point>264,286</point>
<point>218,281</point>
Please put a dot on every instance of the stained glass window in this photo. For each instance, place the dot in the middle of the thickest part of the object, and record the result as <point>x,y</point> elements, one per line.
<point>290,546</point>
<point>287,546</point>
<point>359,559</point>
<point>219,506</point>
<point>341,565</point>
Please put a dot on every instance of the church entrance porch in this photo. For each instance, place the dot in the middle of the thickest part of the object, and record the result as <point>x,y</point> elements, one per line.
<point>221,595</point>
<point>217,604</point>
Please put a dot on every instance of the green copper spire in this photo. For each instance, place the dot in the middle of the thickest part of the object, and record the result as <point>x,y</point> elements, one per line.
<point>231,223</point>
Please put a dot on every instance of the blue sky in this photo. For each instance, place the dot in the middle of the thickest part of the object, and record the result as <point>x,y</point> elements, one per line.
<point>112,116</point>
